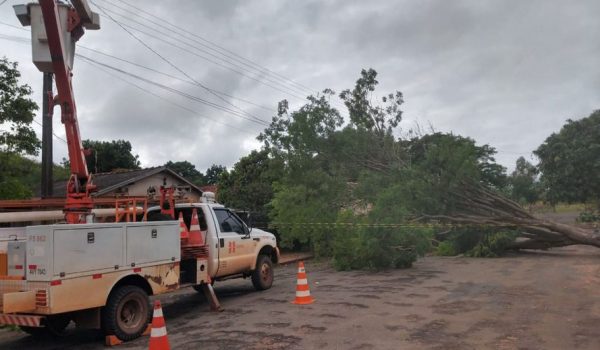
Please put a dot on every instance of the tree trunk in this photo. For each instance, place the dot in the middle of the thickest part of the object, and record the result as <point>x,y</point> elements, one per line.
<point>477,205</point>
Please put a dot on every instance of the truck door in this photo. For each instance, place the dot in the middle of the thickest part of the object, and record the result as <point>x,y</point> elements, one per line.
<point>236,247</point>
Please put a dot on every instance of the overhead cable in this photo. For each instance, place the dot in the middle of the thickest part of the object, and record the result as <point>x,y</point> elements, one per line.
<point>207,43</point>
<point>209,90</point>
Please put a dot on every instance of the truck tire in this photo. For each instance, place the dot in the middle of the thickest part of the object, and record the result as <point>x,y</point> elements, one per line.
<point>262,276</point>
<point>127,313</point>
<point>55,327</point>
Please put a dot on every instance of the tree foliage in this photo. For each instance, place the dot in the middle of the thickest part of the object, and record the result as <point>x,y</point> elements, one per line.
<point>187,170</point>
<point>345,172</point>
<point>17,111</point>
<point>107,156</point>
<point>249,184</point>
<point>524,187</point>
<point>213,173</point>
<point>358,179</point>
<point>570,161</point>
<point>20,176</point>
<point>363,114</point>
<point>17,138</point>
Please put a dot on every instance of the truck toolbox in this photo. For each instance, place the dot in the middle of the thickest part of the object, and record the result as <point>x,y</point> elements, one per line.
<point>152,242</point>
<point>65,251</point>
<point>86,248</point>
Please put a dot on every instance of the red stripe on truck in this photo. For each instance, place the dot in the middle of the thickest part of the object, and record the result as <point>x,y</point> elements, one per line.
<point>56,283</point>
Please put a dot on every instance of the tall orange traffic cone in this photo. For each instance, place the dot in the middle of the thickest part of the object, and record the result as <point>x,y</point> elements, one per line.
<point>158,334</point>
<point>302,292</point>
<point>183,230</point>
<point>195,235</point>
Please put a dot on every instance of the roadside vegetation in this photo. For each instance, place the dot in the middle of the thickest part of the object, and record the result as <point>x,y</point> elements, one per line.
<point>348,183</point>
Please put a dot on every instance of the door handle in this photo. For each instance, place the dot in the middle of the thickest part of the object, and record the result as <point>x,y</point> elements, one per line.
<point>256,239</point>
<point>222,242</point>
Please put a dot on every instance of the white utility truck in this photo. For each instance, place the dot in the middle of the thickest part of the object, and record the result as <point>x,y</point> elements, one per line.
<point>101,275</point>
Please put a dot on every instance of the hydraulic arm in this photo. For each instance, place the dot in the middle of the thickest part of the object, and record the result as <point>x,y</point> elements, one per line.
<point>63,26</point>
<point>78,202</point>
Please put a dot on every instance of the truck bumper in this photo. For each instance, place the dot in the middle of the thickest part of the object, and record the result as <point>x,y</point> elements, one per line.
<point>21,320</point>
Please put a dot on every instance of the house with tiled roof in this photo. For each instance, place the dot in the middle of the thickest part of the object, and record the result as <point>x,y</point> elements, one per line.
<point>119,184</point>
<point>138,183</point>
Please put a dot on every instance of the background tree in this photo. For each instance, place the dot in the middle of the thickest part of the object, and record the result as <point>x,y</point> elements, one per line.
<point>187,170</point>
<point>364,114</point>
<point>524,187</point>
<point>570,161</point>
<point>249,184</point>
<point>107,156</point>
<point>24,176</point>
<point>213,173</point>
<point>17,138</point>
<point>17,111</point>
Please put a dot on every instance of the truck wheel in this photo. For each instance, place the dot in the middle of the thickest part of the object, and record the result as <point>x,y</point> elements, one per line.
<point>55,326</point>
<point>127,313</point>
<point>262,276</point>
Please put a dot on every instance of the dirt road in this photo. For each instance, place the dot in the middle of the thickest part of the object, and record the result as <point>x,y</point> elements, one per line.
<point>540,300</point>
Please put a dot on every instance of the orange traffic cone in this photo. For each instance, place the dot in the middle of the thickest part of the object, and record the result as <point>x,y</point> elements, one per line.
<point>183,230</point>
<point>158,334</point>
<point>195,235</point>
<point>302,292</point>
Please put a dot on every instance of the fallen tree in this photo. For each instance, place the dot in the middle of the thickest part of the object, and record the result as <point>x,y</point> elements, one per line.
<point>474,204</point>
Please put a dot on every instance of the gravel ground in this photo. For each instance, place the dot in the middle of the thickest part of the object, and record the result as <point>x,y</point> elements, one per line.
<point>537,300</point>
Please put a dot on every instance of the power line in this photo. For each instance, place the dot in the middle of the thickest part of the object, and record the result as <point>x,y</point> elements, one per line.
<point>100,66</point>
<point>209,90</point>
<point>282,80</point>
<point>103,67</point>
<point>181,39</point>
<point>183,80</point>
<point>209,44</point>
<point>14,26</point>
<point>162,86</point>
<point>15,39</point>
<point>165,99</point>
<point>185,49</point>
<point>174,77</point>
<point>176,91</point>
<point>53,134</point>
<point>266,108</point>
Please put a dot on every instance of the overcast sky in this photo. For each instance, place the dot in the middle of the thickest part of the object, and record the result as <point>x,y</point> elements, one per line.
<point>506,73</point>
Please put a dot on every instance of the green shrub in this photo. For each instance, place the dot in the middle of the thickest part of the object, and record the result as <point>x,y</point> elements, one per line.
<point>477,242</point>
<point>445,249</point>
<point>377,248</point>
<point>588,216</point>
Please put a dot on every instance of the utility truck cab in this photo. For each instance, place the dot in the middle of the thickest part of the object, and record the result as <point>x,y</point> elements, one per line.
<point>234,249</point>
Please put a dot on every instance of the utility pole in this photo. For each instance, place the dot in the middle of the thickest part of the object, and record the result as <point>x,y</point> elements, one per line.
<point>47,161</point>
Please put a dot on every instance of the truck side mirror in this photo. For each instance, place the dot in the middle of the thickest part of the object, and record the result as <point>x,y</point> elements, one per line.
<point>249,223</point>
